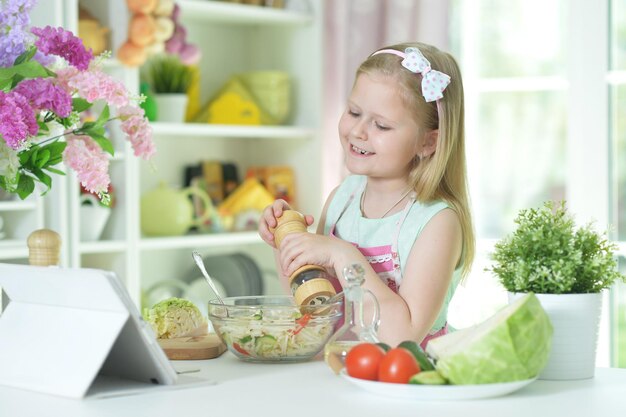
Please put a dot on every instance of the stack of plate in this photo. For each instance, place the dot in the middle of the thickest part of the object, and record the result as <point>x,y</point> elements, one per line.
<point>234,274</point>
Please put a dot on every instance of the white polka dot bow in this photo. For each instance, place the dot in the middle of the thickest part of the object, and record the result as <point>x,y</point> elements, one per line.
<point>433,81</point>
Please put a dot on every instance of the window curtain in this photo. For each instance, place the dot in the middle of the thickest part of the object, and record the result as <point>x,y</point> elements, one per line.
<point>353,30</point>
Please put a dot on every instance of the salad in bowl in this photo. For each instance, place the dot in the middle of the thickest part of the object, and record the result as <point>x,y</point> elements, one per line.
<point>273,328</point>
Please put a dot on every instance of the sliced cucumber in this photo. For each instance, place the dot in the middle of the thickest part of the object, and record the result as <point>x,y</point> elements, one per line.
<point>383,346</point>
<point>226,338</point>
<point>428,378</point>
<point>416,350</point>
<point>264,343</point>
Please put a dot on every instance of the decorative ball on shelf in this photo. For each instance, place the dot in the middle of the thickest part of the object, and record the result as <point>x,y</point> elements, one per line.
<point>92,33</point>
<point>141,30</point>
<point>142,6</point>
<point>153,29</point>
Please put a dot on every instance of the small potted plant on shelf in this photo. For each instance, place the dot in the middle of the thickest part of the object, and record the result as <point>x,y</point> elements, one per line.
<point>170,80</point>
<point>94,215</point>
<point>567,267</point>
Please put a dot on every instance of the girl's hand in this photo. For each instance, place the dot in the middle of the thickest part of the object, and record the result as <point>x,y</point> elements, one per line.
<point>299,249</point>
<point>268,220</point>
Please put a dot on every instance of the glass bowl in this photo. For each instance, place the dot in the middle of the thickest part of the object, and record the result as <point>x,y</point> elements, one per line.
<point>272,328</point>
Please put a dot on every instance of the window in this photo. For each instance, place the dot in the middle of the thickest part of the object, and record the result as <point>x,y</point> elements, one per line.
<point>617,81</point>
<point>543,106</point>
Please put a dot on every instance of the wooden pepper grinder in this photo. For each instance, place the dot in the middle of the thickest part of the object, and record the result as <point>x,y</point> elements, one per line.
<point>44,247</point>
<point>309,283</point>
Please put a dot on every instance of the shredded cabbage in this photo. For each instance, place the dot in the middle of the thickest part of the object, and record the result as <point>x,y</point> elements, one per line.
<point>176,317</point>
<point>275,334</point>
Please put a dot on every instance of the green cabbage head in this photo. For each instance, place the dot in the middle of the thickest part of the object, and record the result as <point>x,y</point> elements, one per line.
<point>512,345</point>
<point>175,317</point>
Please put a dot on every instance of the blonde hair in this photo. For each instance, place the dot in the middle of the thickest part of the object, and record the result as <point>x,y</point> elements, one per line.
<point>442,175</point>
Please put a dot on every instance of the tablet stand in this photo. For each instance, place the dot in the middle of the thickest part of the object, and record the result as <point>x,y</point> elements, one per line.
<point>64,326</point>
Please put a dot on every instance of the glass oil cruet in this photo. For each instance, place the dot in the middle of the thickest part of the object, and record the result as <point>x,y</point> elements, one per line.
<point>354,330</point>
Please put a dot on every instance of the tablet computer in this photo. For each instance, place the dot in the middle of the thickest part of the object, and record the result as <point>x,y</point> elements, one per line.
<point>62,327</point>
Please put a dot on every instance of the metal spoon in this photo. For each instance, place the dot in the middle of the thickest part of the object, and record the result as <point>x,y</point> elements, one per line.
<point>334,298</point>
<point>198,259</point>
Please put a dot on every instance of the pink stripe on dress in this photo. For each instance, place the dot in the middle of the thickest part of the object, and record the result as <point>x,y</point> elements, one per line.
<point>440,332</point>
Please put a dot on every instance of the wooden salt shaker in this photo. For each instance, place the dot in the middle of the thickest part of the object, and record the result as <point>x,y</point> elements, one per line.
<point>44,247</point>
<point>309,283</point>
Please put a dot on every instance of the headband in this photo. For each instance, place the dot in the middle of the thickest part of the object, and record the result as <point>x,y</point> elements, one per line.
<point>433,81</point>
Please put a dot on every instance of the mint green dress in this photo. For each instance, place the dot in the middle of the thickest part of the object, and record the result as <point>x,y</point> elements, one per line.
<point>387,242</point>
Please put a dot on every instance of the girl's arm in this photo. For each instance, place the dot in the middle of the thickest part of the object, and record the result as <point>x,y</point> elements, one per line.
<point>428,273</point>
<point>410,314</point>
<point>434,256</point>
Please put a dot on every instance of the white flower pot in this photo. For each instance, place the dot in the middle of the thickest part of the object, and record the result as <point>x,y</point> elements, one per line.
<point>171,107</point>
<point>576,320</point>
<point>93,218</point>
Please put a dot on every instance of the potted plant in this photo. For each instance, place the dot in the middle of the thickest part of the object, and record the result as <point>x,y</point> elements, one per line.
<point>567,267</point>
<point>94,215</point>
<point>170,80</point>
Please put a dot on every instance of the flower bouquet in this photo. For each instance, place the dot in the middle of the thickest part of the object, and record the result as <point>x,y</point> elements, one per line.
<point>47,80</point>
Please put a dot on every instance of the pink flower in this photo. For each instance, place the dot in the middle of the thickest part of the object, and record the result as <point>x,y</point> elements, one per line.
<point>60,42</point>
<point>139,131</point>
<point>93,85</point>
<point>30,99</point>
<point>43,94</point>
<point>17,119</point>
<point>91,164</point>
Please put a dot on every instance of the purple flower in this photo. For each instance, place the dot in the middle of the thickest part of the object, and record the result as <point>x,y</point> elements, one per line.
<point>16,11</point>
<point>43,94</point>
<point>14,34</point>
<point>17,119</point>
<point>60,42</point>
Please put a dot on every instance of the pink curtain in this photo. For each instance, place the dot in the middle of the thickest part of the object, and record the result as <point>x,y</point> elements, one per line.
<point>354,29</point>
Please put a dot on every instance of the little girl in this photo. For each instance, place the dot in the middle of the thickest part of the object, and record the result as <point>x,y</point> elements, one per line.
<point>404,212</point>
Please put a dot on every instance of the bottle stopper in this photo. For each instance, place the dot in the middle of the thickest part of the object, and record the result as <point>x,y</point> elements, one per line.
<point>44,247</point>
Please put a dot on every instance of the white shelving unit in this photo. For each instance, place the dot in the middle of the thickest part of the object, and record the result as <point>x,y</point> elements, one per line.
<point>18,219</point>
<point>229,13</point>
<point>233,38</point>
<point>207,131</point>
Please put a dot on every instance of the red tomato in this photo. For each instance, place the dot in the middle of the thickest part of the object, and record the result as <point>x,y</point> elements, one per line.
<point>362,361</point>
<point>239,349</point>
<point>398,365</point>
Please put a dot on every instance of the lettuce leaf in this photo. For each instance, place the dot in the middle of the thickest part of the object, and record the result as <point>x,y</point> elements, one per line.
<point>512,345</point>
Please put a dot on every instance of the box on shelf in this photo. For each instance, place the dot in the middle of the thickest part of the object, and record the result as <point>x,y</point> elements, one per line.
<point>279,180</point>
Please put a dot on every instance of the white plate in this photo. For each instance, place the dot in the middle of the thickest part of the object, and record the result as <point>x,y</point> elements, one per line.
<point>229,271</point>
<point>200,293</point>
<point>437,392</point>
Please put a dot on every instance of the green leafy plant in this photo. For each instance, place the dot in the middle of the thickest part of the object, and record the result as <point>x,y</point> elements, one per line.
<point>168,75</point>
<point>548,254</point>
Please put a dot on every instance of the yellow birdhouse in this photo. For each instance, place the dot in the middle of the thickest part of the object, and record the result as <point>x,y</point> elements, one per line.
<point>250,194</point>
<point>232,105</point>
<point>231,108</point>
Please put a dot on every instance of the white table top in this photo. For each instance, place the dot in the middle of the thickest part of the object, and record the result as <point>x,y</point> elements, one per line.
<point>311,389</point>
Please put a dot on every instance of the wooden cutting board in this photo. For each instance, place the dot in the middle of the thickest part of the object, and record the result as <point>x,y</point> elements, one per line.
<point>193,348</point>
